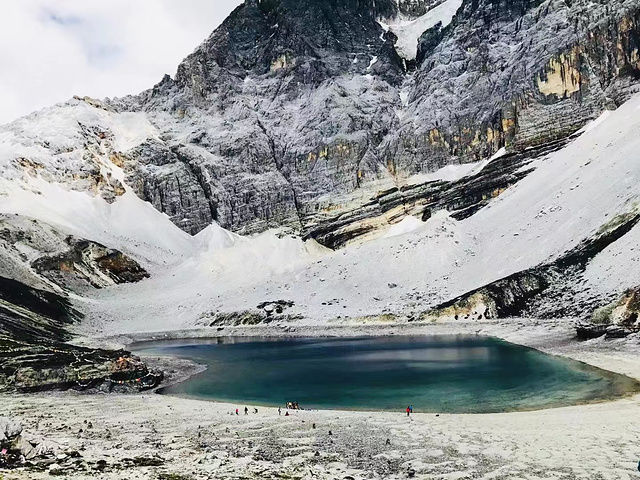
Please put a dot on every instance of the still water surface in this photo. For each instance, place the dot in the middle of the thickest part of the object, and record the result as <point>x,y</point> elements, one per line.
<point>455,374</point>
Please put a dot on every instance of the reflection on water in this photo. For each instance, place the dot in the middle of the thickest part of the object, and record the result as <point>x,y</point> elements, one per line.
<point>433,373</point>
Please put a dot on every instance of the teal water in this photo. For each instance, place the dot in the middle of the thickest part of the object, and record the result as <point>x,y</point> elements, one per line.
<point>454,374</point>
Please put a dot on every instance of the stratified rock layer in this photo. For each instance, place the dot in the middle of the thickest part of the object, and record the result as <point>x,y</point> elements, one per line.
<point>33,356</point>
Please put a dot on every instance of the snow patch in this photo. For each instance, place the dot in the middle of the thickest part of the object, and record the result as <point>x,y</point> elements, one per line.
<point>409,31</point>
<point>128,224</point>
<point>407,225</point>
<point>591,125</point>
<point>449,173</point>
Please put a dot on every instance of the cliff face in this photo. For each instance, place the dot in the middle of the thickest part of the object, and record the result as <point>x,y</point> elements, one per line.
<point>518,73</point>
<point>295,110</point>
<point>289,102</point>
<point>281,104</point>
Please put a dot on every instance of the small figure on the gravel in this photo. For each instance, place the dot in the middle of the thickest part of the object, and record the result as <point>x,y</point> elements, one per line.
<point>237,412</point>
<point>408,411</point>
<point>255,410</point>
<point>279,411</point>
<point>246,411</point>
<point>286,414</point>
<point>410,408</point>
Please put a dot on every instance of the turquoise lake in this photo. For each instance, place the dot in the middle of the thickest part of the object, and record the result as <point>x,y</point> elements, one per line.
<point>449,374</point>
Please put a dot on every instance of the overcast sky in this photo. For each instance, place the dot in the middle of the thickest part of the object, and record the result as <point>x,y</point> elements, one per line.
<point>51,50</point>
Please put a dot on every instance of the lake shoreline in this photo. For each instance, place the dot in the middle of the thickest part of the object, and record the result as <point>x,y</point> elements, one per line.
<point>421,354</point>
<point>201,439</point>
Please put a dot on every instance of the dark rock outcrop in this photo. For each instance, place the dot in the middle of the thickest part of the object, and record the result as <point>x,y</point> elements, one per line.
<point>41,255</point>
<point>33,353</point>
<point>89,262</point>
<point>617,319</point>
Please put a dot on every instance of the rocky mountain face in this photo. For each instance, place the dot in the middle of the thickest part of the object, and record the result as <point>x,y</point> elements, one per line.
<point>520,73</point>
<point>294,109</point>
<point>270,122</point>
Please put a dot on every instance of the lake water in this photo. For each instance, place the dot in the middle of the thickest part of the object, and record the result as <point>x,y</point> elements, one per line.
<point>455,374</point>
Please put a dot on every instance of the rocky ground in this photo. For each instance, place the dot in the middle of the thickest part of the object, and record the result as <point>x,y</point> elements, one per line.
<point>151,436</point>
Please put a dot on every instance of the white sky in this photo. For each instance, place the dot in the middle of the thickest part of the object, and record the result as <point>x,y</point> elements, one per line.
<point>51,50</point>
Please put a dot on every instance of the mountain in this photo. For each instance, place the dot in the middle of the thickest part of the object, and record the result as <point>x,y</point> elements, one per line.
<point>421,159</point>
<point>271,123</point>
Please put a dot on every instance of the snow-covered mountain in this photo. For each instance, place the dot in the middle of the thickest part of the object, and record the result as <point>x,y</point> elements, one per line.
<point>323,159</point>
<point>271,123</point>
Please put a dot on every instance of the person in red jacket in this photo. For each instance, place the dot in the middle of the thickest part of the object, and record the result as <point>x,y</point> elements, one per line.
<point>408,411</point>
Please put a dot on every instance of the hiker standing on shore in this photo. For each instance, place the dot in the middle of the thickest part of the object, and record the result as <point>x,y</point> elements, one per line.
<point>408,411</point>
<point>246,411</point>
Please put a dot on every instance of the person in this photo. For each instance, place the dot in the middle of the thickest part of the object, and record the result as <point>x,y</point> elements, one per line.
<point>410,408</point>
<point>255,410</point>
<point>237,412</point>
<point>286,414</point>
<point>246,411</point>
<point>408,411</point>
<point>279,411</point>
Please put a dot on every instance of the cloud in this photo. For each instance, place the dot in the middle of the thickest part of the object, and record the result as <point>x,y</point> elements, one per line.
<point>51,50</point>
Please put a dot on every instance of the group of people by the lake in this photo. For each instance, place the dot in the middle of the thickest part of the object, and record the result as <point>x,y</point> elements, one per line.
<point>246,411</point>
<point>295,406</point>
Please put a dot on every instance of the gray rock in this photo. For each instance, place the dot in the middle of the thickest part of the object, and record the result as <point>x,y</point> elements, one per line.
<point>24,447</point>
<point>9,429</point>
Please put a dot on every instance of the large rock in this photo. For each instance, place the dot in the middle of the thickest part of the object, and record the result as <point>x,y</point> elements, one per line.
<point>9,430</point>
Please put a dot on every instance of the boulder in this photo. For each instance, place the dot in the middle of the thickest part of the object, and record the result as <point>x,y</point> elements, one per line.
<point>9,429</point>
<point>25,447</point>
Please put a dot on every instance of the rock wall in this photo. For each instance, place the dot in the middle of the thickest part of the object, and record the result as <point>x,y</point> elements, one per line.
<point>274,117</point>
<point>338,224</point>
<point>518,74</point>
<point>291,106</point>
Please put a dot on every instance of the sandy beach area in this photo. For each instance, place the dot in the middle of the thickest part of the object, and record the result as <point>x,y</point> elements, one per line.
<point>151,436</point>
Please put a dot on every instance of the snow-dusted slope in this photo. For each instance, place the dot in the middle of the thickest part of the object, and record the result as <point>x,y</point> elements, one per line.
<point>64,171</point>
<point>570,196</point>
